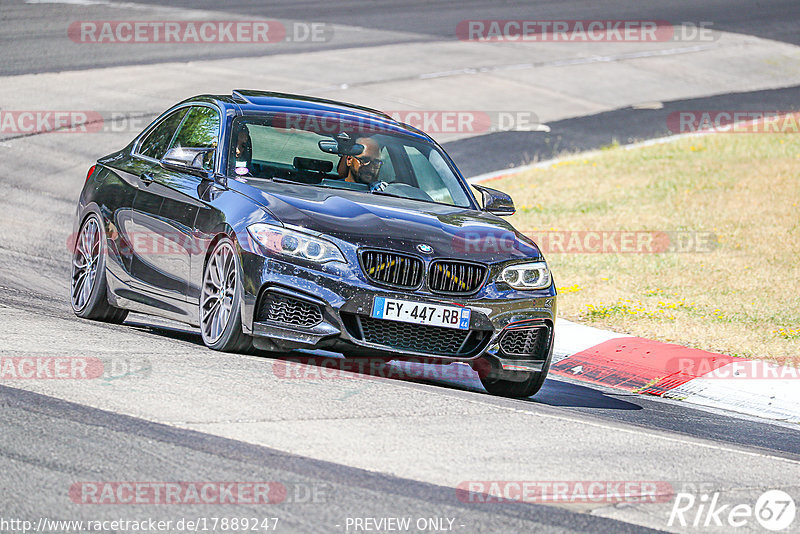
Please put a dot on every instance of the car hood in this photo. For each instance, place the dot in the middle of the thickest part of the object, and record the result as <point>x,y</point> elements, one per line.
<point>373,220</point>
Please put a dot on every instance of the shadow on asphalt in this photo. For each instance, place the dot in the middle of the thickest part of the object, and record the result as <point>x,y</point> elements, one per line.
<point>187,334</point>
<point>329,366</point>
<point>631,409</point>
<point>570,395</point>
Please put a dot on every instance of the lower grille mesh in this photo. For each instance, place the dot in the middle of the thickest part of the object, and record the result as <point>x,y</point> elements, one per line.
<point>280,308</point>
<point>433,340</point>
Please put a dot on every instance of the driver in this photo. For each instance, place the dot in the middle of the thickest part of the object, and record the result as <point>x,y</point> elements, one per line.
<point>365,167</point>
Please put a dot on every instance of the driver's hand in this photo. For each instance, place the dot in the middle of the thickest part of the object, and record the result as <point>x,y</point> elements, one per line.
<point>377,186</point>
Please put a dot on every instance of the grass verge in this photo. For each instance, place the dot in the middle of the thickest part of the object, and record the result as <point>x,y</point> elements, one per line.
<point>740,296</point>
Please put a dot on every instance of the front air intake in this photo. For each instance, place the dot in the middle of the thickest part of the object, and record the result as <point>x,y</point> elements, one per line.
<point>278,308</point>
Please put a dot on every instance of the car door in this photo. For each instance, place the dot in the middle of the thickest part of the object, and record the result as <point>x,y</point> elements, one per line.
<point>115,201</point>
<point>143,227</point>
<point>169,273</point>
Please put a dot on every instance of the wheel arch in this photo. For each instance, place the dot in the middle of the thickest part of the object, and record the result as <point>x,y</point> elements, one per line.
<point>225,231</point>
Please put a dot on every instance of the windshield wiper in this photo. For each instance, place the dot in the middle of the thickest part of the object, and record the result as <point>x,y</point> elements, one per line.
<point>404,198</point>
<point>376,192</point>
<point>287,181</point>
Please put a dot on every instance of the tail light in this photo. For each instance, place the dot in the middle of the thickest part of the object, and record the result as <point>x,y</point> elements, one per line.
<point>91,171</point>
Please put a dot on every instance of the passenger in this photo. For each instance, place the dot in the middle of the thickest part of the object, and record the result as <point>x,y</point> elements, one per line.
<point>243,152</point>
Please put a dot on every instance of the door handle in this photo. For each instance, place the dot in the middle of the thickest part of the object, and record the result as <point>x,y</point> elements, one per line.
<point>147,177</point>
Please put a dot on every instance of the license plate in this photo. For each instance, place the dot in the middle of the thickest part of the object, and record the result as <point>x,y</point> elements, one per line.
<point>421,313</point>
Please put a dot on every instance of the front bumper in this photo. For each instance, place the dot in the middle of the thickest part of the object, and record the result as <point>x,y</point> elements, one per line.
<point>344,299</point>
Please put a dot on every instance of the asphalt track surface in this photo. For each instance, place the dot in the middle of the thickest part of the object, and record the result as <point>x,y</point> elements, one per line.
<point>324,493</point>
<point>33,44</point>
<point>54,436</point>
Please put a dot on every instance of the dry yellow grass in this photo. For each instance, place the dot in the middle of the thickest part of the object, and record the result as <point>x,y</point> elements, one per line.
<point>742,298</point>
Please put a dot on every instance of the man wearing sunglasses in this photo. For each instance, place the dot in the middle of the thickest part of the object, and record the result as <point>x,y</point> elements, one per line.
<point>365,167</point>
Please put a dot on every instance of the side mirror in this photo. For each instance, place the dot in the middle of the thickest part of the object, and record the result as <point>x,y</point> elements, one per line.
<point>495,201</point>
<point>188,160</point>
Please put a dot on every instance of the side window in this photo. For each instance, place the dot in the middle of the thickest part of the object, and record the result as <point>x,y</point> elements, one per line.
<point>156,142</point>
<point>387,172</point>
<point>427,175</point>
<point>200,129</point>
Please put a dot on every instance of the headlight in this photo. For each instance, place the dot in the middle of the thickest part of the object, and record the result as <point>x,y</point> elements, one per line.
<point>534,275</point>
<point>295,244</point>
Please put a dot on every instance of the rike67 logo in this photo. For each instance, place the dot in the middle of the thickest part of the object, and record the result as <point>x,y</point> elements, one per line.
<point>774,510</point>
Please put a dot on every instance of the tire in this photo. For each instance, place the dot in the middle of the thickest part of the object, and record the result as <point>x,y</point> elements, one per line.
<point>507,388</point>
<point>88,287</point>
<point>220,301</point>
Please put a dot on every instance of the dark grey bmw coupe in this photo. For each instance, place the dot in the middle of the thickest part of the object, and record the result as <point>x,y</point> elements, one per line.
<point>279,222</point>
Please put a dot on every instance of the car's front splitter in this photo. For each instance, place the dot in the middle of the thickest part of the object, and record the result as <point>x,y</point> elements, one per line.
<point>345,299</point>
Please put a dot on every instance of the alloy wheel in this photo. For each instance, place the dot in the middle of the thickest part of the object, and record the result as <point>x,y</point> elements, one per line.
<point>219,287</point>
<point>84,263</point>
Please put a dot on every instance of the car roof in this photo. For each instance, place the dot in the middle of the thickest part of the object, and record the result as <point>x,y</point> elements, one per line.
<point>246,100</point>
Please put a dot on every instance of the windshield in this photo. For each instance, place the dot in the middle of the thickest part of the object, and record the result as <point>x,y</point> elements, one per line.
<point>354,156</point>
